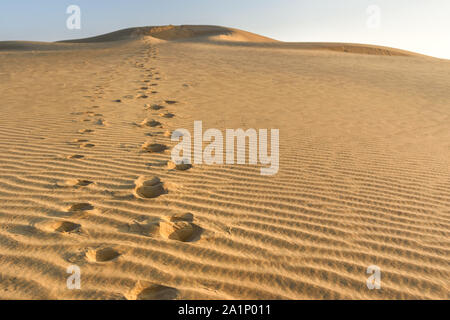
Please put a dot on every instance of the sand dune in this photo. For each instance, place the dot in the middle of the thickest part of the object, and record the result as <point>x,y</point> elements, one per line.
<point>217,34</point>
<point>200,33</point>
<point>86,177</point>
<point>176,33</point>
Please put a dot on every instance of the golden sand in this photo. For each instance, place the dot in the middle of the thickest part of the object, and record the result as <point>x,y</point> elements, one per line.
<point>364,174</point>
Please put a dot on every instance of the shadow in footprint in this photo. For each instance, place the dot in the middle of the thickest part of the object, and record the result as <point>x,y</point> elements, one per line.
<point>75,156</point>
<point>102,255</point>
<point>183,231</point>
<point>101,122</point>
<point>85,131</point>
<point>149,187</point>
<point>180,227</point>
<point>84,206</point>
<point>66,226</point>
<point>79,140</point>
<point>157,163</point>
<point>83,183</point>
<point>150,123</point>
<point>150,291</point>
<point>61,226</point>
<point>154,107</point>
<point>167,115</point>
<point>178,166</point>
<point>75,183</point>
<point>153,147</point>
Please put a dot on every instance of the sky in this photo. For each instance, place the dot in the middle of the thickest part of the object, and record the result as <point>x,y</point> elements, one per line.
<point>418,25</point>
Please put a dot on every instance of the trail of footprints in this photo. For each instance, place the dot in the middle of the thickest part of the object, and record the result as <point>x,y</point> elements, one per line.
<point>178,227</point>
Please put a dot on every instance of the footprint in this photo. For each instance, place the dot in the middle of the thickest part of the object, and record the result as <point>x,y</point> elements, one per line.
<point>167,115</point>
<point>175,133</point>
<point>102,255</point>
<point>185,216</point>
<point>153,147</point>
<point>75,156</point>
<point>144,290</point>
<point>85,131</point>
<point>149,187</point>
<point>83,183</point>
<point>149,228</point>
<point>180,227</point>
<point>142,96</point>
<point>154,107</point>
<point>59,226</point>
<point>101,122</point>
<point>79,140</point>
<point>179,230</point>
<point>66,226</point>
<point>150,123</point>
<point>83,206</point>
<point>75,183</point>
<point>180,166</point>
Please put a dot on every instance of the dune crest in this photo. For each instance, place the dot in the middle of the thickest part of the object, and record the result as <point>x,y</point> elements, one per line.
<point>224,35</point>
<point>198,33</point>
<point>173,33</point>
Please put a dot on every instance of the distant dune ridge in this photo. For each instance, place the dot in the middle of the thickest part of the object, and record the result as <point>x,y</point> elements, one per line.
<point>173,33</point>
<point>87,179</point>
<point>205,33</point>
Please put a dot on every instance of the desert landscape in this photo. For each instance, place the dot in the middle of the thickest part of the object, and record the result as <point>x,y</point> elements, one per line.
<point>86,177</point>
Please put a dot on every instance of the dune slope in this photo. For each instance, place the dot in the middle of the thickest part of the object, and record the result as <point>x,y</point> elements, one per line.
<point>172,33</point>
<point>217,34</point>
<point>85,179</point>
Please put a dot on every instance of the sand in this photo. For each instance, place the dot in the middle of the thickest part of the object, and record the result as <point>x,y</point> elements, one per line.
<point>364,174</point>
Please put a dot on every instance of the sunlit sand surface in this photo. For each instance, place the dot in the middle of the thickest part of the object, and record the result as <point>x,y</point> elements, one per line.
<point>86,177</point>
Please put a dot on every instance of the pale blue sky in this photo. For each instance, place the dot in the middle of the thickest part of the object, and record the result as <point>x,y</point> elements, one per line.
<point>418,25</point>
